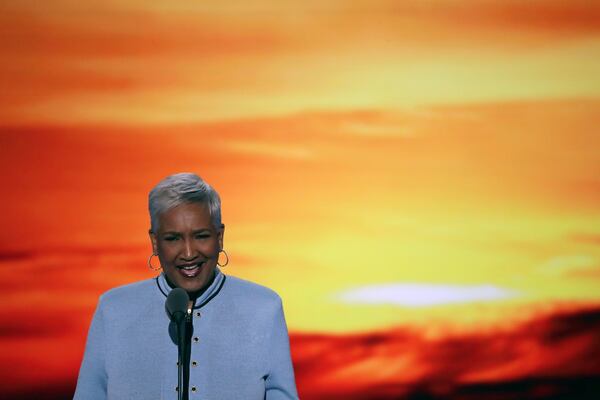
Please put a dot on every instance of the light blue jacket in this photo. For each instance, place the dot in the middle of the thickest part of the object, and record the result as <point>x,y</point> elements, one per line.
<point>240,345</point>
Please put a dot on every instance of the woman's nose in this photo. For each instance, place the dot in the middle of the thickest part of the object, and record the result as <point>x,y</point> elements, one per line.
<point>189,252</point>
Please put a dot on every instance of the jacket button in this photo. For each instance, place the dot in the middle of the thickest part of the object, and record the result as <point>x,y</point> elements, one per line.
<point>196,339</point>
<point>198,314</point>
<point>194,363</point>
<point>177,388</point>
<point>193,388</point>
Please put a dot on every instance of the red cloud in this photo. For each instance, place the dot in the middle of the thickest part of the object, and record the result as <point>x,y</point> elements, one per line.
<point>546,355</point>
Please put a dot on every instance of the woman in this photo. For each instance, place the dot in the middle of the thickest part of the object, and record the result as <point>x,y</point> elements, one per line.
<point>238,341</point>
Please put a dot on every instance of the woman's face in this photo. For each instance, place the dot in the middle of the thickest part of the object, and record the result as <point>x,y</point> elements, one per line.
<point>187,245</point>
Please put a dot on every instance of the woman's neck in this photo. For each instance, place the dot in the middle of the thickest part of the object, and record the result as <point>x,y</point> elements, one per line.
<point>198,293</point>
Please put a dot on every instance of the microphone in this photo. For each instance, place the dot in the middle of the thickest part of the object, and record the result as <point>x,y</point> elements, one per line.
<point>177,307</point>
<point>177,304</point>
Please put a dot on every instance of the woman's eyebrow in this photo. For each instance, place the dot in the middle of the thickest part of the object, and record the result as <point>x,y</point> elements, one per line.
<point>196,231</point>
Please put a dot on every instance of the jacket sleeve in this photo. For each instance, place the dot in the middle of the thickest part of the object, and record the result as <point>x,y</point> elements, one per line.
<point>91,384</point>
<point>280,383</point>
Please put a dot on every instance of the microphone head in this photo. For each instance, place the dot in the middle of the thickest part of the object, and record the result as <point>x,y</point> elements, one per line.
<point>177,302</point>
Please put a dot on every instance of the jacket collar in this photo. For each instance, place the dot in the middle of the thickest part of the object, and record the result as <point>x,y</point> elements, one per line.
<point>205,297</point>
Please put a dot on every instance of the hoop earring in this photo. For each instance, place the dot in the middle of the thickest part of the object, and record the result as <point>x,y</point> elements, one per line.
<point>152,267</point>
<point>226,256</point>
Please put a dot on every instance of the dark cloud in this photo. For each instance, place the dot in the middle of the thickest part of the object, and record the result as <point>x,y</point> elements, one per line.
<point>546,358</point>
<point>16,323</point>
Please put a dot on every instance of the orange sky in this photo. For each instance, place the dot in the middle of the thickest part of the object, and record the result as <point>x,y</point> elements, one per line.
<point>461,195</point>
<point>428,165</point>
<point>131,62</point>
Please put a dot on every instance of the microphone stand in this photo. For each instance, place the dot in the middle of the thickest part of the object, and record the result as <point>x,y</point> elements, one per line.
<point>178,308</point>
<point>182,366</point>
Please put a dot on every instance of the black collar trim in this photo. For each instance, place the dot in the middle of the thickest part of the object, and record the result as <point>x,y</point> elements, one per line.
<point>205,302</point>
<point>212,296</point>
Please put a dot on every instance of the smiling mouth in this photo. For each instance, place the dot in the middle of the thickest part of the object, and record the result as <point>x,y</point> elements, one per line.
<point>191,270</point>
<point>191,266</point>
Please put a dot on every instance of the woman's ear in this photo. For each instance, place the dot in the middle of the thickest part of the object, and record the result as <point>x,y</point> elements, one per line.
<point>220,234</point>
<point>153,241</point>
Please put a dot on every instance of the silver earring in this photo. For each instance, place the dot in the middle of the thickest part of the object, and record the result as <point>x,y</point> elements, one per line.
<point>152,267</point>
<point>226,259</point>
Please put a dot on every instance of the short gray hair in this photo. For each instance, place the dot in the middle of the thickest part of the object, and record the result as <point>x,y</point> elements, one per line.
<point>181,188</point>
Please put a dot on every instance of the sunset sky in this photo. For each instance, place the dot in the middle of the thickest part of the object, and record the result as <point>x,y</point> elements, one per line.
<point>429,165</point>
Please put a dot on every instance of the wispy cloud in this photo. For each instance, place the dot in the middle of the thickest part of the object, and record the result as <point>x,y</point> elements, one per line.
<point>423,295</point>
<point>137,62</point>
<point>270,150</point>
<point>568,264</point>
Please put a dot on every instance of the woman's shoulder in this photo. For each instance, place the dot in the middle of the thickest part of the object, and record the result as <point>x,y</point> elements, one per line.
<point>129,293</point>
<point>251,291</point>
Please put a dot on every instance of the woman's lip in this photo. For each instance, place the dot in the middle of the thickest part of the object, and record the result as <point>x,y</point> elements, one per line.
<point>190,266</point>
<point>190,273</point>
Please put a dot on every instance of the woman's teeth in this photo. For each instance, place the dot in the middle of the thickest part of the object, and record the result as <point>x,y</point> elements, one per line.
<point>191,271</point>
<point>191,267</point>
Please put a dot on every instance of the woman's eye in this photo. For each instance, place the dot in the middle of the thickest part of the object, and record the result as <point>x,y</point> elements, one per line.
<point>171,238</point>
<point>205,236</point>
